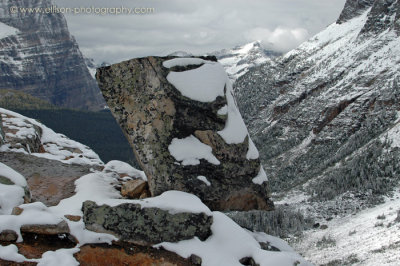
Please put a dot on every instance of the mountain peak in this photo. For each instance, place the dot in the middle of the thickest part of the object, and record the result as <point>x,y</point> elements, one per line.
<point>238,60</point>
<point>354,8</point>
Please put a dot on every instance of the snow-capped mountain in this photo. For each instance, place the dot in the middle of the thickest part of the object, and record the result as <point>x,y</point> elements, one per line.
<point>39,56</point>
<point>239,60</point>
<point>325,116</point>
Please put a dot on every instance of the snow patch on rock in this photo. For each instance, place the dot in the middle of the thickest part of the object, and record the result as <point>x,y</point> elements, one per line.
<point>261,177</point>
<point>203,84</point>
<point>183,62</point>
<point>204,179</point>
<point>190,150</point>
<point>228,244</point>
<point>235,130</point>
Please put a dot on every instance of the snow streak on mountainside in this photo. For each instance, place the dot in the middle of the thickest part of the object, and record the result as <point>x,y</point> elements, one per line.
<point>239,60</point>
<point>325,115</point>
<point>39,56</point>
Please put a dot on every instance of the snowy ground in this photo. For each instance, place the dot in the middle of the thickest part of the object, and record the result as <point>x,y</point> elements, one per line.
<point>370,237</point>
<point>227,245</point>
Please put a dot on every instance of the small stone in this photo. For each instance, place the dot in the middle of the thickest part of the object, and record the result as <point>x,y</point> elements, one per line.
<point>133,189</point>
<point>323,227</point>
<point>17,211</point>
<point>267,246</point>
<point>73,218</point>
<point>8,236</point>
<point>46,229</point>
<point>248,261</point>
<point>196,260</point>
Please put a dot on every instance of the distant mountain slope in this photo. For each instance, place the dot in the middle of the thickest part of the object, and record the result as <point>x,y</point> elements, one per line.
<point>325,108</point>
<point>237,61</point>
<point>326,119</point>
<point>39,56</point>
<point>12,99</point>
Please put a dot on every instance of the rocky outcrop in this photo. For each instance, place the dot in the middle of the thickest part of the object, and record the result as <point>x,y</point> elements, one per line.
<point>105,255</point>
<point>49,181</point>
<point>145,226</point>
<point>49,161</point>
<point>43,59</point>
<point>384,15</point>
<point>34,246</point>
<point>199,145</point>
<point>27,138</point>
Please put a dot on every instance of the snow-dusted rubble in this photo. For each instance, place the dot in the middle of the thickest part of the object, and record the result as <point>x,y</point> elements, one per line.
<point>55,146</point>
<point>228,244</point>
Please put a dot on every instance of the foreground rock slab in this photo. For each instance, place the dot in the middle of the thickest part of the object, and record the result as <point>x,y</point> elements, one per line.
<point>145,226</point>
<point>180,117</point>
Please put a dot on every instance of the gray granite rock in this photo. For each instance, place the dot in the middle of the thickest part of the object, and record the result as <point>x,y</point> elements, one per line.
<point>145,226</point>
<point>152,112</point>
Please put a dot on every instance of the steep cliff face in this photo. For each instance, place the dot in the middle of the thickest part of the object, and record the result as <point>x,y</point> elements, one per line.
<point>324,110</point>
<point>353,9</point>
<point>40,57</point>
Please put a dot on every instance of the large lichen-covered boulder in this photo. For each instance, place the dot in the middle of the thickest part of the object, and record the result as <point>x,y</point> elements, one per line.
<point>145,226</point>
<point>181,119</point>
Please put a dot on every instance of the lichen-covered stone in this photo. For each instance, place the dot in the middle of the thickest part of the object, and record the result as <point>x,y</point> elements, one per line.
<point>152,112</point>
<point>145,226</point>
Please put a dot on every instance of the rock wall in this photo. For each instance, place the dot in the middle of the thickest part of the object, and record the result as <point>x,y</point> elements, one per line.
<point>354,8</point>
<point>43,59</point>
<point>200,145</point>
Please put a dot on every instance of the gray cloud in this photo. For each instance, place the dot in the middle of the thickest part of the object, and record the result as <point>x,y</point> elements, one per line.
<point>197,26</point>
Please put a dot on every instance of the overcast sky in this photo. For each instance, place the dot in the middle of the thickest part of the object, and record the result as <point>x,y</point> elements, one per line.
<point>196,26</point>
